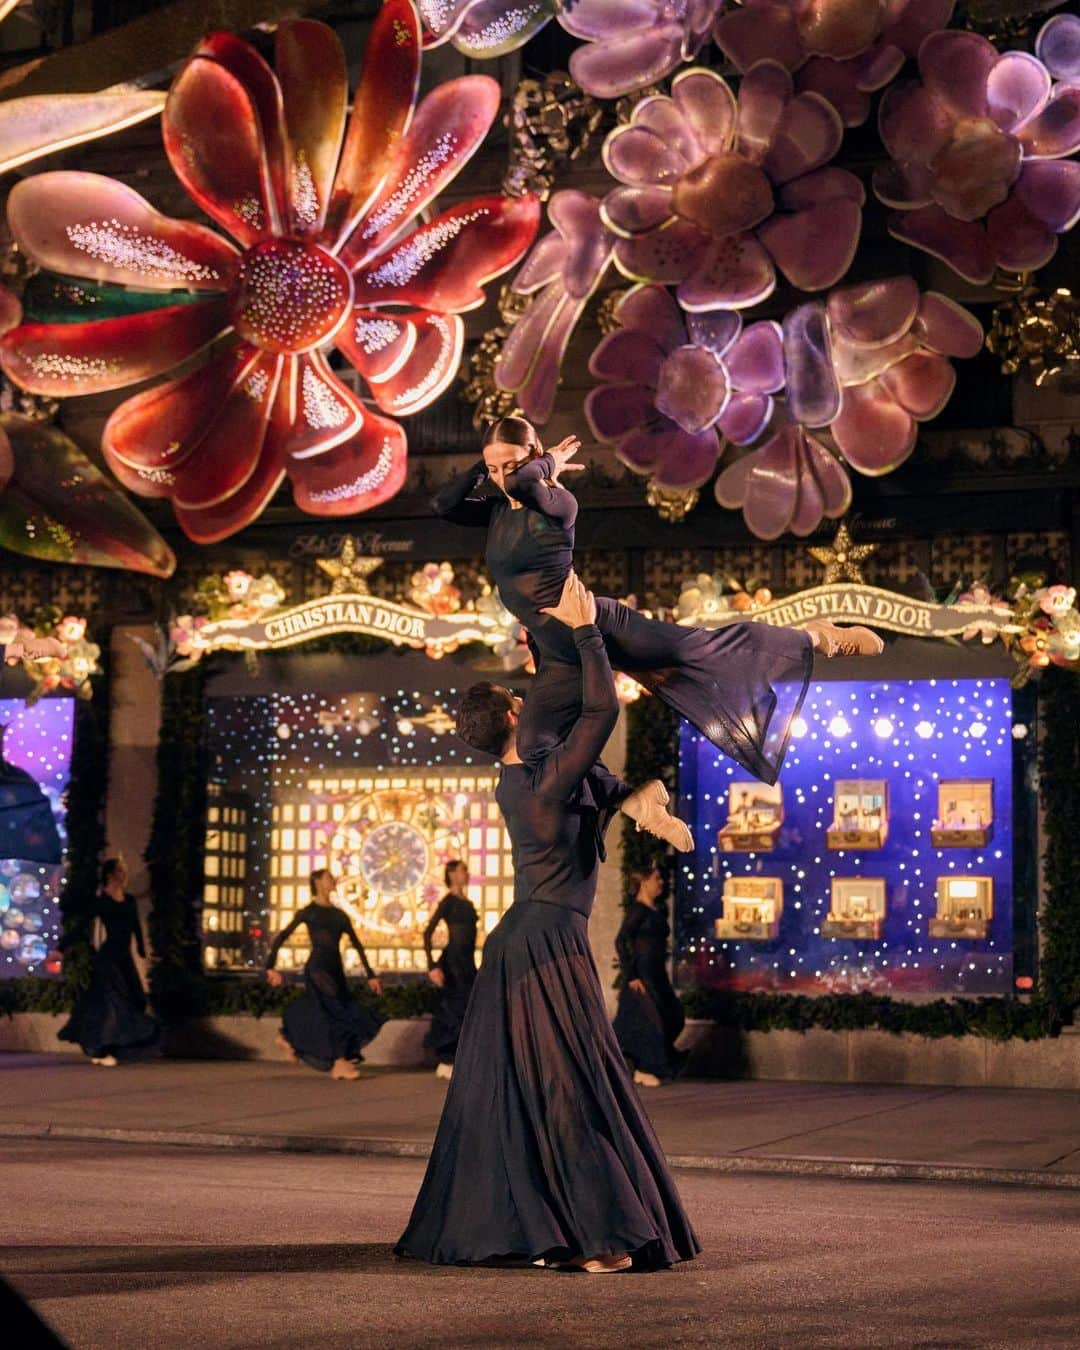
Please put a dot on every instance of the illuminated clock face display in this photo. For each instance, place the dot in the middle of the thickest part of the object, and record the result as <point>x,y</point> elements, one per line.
<point>394,858</point>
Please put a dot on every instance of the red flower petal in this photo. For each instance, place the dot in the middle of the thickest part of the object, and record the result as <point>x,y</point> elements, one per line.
<point>377,342</point>
<point>355,476</point>
<point>84,225</point>
<point>944,326</point>
<point>446,132</point>
<point>213,139</point>
<point>85,358</point>
<point>875,434</point>
<point>815,247</point>
<point>772,485</point>
<point>10,310</point>
<point>310,63</point>
<point>382,110</point>
<point>962,244</point>
<point>243,61</point>
<point>444,265</point>
<point>1017,88</point>
<point>319,410</point>
<point>429,368</point>
<point>921,385</point>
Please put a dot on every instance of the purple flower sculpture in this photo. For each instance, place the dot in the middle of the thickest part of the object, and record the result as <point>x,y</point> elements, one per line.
<point>561,273</point>
<point>673,384</point>
<point>841,49</point>
<point>630,44</point>
<point>977,175</point>
<point>718,193</point>
<point>869,363</point>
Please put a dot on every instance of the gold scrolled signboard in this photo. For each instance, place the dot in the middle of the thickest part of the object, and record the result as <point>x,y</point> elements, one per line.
<point>854,602</point>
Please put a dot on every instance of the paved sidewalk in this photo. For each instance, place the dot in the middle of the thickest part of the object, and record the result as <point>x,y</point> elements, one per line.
<point>945,1134</point>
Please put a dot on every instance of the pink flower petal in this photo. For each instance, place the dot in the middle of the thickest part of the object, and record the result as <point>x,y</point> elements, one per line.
<point>875,434</point>
<point>544,262</point>
<point>836,82</point>
<point>596,20</point>
<point>745,417</point>
<point>975,170</point>
<point>492,28</point>
<point>812,393</point>
<point>955,68</point>
<point>644,450</point>
<point>627,357</point>
<point>809,501</point>
<point>808,136</point>
<point>758,33</point>
<point>946,327</point>
<point>904,187</point>
<point>922,385</point>
<point>772,485</point>
<point>755,363</point>
<point>961,244</point>
<point>912,123</point>
<point>652,310</point>
<point>10,310</point>
<point>874,313</point>
<point>41,124</point>
<point>688,460</point>
<point>730,487</point>
<point>664,118</point>
<point>821,186</point>
<point>733,273</point>
<point>526,339</point>
<point>814,248</point>
<point>633,210</point>
<point>708,105</point>
<point>666,255</point>
<point>763,95</point>
<point>830,476</point>
<point>1019,241</point>
<point>1058,46</point>
<point>613,410</point>
<point>1017,88</point>
<point>715,331</point>
<point>536,394</point>
<point>448,128</point>
<point>1049,189</point>
<point>637,156</point>
<point>1054,132</point>
<point>355,476</point>
<point>692,389</point>
<point>576,215</point>
<point>81,224</point>
<point>913,20</point>
<point>633,60</point>
<point>856,364</point>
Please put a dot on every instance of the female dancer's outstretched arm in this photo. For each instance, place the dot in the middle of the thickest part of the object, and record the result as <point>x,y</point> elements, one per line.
<point>459,500</point>
<point>350,933</point>
<point>281,939</point>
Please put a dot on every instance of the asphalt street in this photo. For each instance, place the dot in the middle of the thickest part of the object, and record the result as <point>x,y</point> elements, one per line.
<point>133,1246</point>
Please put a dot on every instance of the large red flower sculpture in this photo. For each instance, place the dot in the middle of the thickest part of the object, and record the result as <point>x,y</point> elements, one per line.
<point>319,212</point>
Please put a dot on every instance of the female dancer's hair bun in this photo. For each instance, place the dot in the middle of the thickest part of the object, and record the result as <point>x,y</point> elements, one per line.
<point>513,431</point>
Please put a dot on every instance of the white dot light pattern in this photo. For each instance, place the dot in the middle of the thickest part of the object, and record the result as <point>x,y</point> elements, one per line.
<point>935,729</point>
<point>38,740</point>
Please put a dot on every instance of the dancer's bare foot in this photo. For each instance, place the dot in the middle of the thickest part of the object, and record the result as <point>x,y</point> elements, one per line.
<point>831,640</point>
<point>286,1049</point>
<point>105,1061</point>
<point>647,807</point>
<point>345,1069</point>
<point>646,1079</point>
<point>444,1071</point>
<point>610,1264</point>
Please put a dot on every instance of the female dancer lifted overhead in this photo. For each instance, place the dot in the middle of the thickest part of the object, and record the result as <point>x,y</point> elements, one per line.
<point>742,685</point>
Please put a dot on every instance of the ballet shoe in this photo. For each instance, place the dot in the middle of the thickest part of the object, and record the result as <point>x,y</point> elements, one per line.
<point>647,808</point>
<point>284,1046</point>
<point>610,1264</point>
<point>444,1070</point>
<point>647,1079</point>
<point>105,1061</point>
<point>345,1070</point>
<point>836,641</point>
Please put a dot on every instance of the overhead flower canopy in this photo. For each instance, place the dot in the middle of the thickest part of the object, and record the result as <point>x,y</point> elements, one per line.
<point>318,211</point>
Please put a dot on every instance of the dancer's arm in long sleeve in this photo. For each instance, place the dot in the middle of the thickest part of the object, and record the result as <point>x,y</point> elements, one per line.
<point>459,501</point>
<point>532,485</point>
<point>350,933</point>
<point>566,766</point>
<point>281,939</point>
<point>624,943</point>
<point>429,931</point>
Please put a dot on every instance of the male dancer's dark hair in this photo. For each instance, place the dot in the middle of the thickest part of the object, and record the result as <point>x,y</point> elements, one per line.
<point>483,718</point>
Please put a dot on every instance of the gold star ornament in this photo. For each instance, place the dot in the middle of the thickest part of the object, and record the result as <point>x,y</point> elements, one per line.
<point>349,570</point>
<point>841,561</point>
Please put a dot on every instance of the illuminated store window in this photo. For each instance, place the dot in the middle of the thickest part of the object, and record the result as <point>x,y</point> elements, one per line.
<point>225,870</point>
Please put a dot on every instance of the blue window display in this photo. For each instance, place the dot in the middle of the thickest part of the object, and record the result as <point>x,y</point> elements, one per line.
<point>775,930</point>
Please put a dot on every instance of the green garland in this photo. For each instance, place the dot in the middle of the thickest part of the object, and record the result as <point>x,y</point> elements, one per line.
<point>1059,790</point>
<point>174,854</point>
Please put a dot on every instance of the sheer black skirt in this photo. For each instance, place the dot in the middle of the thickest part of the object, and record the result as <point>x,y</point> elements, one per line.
<point>110,1017</point>
<point>327,1023</point>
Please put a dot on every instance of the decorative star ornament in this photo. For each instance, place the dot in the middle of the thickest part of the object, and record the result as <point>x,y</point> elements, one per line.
<point>841,560</point>
<point>349,570</point>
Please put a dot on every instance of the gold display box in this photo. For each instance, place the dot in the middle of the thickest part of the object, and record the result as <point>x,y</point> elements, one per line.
<point>856,908</point>
<point>752,909</point>
<point>965,817</point>
<point>860,814</point>
<point>965,906</point>
<point>755,814</point>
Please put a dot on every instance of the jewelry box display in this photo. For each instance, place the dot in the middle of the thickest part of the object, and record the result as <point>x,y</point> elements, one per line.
<point>965,906</point>
<point>752,909</point>
<point>856,908</point>
<point>965,815</point>
<point>755,814</point>
<point>860,814</point>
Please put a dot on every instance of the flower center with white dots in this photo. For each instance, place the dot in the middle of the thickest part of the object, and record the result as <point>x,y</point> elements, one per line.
<point>290,296</point>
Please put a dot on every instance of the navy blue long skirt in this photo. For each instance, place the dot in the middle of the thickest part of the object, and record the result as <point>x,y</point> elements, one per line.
<point>543,1148</point>
<point>110,1017</point>
<point>326,1023</point>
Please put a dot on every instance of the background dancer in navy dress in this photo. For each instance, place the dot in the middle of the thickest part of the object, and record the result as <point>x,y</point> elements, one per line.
<point>649,1017</point>
<point>455,971</point>
<point>326,1027</point>
<point>543,1151</point>
<point>742,685</point>
<point>110,1016</point>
